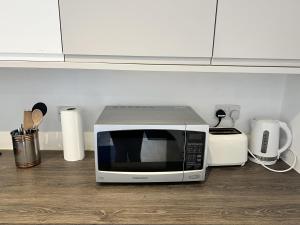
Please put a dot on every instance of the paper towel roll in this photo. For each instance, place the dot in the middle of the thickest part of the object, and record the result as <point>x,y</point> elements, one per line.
<point>72,134</point>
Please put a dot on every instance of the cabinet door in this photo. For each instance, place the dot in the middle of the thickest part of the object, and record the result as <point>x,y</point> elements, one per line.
<point>164,31</point>
<point>30,30</point>
<point>257,32</point>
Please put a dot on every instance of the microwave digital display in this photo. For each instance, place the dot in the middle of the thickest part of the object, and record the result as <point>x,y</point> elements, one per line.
<point>195,136</point>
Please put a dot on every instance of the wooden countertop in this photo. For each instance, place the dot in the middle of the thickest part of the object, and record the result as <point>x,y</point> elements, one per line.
<point>65,192</point>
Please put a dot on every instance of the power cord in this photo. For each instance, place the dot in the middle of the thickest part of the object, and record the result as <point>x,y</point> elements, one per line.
<point>268,168</point>
<point>220,119</point>
<point>220,114</point>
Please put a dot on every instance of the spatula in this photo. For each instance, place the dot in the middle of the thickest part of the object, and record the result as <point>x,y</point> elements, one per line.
<point>27,120</point>
<point>37,117</point>
<point>41,106</point>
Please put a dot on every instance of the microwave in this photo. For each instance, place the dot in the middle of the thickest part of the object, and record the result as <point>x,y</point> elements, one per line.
<point>150,144</point>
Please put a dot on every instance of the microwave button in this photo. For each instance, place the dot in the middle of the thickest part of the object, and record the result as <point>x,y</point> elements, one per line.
<point>190,147</point>
<point>199,158</point>
<point>191,158</point>
<point>193,166</point>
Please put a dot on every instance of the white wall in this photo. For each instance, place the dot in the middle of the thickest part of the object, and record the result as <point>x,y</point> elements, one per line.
<point>291,114</point>
<point>258,95</point>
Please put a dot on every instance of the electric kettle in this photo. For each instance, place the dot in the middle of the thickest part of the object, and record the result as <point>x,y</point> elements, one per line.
<point>264,141</point>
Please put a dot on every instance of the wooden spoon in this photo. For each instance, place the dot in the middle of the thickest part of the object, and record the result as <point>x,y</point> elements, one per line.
<point>37,117</point>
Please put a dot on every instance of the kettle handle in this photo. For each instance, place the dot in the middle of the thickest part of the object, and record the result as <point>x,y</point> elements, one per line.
<point>289,137</point>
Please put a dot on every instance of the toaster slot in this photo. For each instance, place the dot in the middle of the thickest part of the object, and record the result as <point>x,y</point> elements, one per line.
<point>223,131</point>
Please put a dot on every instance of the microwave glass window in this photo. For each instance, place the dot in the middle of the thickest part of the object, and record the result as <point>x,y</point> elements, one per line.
<point>141,150</point>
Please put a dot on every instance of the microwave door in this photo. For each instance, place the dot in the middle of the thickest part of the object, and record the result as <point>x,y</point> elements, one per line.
<point>141,150</point>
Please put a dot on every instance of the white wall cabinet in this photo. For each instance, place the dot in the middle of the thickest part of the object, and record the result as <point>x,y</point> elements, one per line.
<point>164,35</point>
<point>30,30</point>
<point>257,33</point>
<point>138,31</point>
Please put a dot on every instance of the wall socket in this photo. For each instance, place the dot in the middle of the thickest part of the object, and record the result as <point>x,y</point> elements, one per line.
<point>232,111</point>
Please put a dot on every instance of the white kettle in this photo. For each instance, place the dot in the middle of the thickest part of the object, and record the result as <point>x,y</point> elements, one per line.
<point>264,140</point>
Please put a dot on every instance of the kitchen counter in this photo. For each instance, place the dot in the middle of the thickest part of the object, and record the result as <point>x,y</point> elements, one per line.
<point>65,192</point>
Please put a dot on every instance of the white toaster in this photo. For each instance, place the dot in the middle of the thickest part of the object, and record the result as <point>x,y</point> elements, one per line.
<point>227,147</point>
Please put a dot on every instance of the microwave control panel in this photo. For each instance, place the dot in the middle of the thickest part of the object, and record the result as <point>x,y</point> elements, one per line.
<point>194,150</point>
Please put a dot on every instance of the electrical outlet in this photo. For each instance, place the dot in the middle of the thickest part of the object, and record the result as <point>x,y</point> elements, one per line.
<point>232,111</point>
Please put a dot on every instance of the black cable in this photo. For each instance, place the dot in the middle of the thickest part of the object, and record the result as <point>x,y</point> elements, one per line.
<point>220,114</point>
<point>220,119</point>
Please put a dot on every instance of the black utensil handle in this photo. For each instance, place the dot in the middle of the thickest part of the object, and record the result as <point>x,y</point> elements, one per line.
<point>41,106</point>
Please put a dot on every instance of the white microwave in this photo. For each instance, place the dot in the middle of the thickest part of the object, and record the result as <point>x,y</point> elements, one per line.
<point>150,144</point>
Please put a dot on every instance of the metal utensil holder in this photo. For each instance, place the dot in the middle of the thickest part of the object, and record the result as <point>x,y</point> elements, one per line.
<point>26,148</point>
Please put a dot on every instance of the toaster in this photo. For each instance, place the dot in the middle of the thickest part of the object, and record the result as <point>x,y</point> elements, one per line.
<point>227,147</point>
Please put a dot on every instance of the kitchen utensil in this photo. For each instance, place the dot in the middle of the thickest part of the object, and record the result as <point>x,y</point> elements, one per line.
<point>41,106</point>
<point>37,117</point>
<point>21,129</point>
<point>264,142</point>
<point>26,148</point>
<point>27,120</point>
<point>227,147</point>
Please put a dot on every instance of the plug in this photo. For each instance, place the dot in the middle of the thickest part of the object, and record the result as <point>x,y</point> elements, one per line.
<point>220,114</point>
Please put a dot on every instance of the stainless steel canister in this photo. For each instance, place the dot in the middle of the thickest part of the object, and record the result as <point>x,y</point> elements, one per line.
<point>26,148</point>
